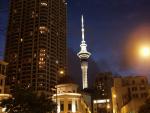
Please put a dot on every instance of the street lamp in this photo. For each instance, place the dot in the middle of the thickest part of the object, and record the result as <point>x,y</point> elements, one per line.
<point>115,96</point>
<point>108,107</point>
<point>61,72</point>
<point>144,51</point>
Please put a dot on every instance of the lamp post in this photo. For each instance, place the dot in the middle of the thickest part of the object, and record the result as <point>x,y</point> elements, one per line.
<point>60,72</point>
<point>115,102</point>
<point>108,107</point>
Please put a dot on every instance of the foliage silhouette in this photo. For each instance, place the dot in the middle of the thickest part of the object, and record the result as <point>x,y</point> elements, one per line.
<point>25,100</point>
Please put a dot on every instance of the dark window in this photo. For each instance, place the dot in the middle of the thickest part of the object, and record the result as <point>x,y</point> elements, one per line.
<point>143,95</point>
<point>134,88</point>
<point>133,82</point>
<point>61,106</point>
<point>142,81</point>
<point>135,96</point>
<point>76,106</point>
<point>142,88</point>
<point>69,106</point>
<point>1,82</point>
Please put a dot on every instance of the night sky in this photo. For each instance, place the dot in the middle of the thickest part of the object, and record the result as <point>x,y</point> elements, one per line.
<point>112,28</point>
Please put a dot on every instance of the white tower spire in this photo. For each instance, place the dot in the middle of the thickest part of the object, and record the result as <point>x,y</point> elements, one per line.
<point>82,28</point>
<point>84,55</point>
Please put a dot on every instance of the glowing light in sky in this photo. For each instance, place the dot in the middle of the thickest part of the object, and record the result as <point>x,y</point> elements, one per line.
<point>144,51</point>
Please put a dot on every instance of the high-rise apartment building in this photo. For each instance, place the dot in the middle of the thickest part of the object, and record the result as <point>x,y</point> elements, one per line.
<point>36,39</point>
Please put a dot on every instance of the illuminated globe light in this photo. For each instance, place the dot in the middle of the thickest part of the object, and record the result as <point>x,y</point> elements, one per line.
<point>108,106</point>
<point>115,96</point>
<point>144,52</point>
<point>61,72</point>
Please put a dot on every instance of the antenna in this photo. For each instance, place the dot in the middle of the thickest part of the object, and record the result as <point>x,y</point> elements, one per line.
<point>82,28</point>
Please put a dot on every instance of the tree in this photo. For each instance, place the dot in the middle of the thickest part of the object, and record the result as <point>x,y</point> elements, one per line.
<point>146,107</point>
<point>24,100</point>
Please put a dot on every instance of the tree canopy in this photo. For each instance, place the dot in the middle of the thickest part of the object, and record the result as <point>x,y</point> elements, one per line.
<point>25,100</point>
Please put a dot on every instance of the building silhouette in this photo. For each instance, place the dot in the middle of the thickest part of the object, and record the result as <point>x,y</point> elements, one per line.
<point>36,42</point>
<point>102,100</point>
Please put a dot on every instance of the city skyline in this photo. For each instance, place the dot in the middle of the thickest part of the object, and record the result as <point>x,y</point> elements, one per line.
<point>80,56</point>
<point>108,27</point>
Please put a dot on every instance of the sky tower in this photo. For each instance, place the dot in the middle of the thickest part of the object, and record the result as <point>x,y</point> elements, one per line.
<point>84,55</point>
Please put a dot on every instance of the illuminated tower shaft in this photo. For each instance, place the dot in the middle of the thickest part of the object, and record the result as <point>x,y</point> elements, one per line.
<point>84,55</point>
<point>84,67</point>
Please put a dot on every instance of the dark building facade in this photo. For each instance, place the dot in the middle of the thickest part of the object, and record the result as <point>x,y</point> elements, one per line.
<point>102,102</point>
<point>103,84</point>
<point>36,39</point>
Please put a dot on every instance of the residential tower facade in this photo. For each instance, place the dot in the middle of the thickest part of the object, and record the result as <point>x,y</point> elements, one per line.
<point>36,39</point>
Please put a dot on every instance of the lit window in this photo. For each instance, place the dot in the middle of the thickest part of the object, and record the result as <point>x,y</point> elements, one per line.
<point>19,69</point>
<point>41,84</point>
<point>31,33</point>
<point>42,58</point>
<point>15,11</point>
<point>33,14</point>
<point>36,15</point>
<point>44,4</point>
<point>34,55</point>
<point>21,40</point>
<point>43,29</point>
<point>64,1</point>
